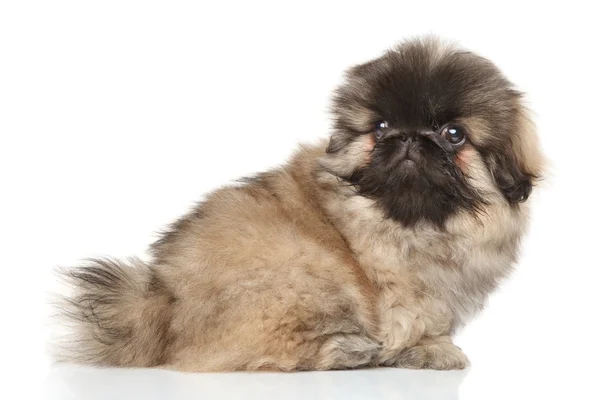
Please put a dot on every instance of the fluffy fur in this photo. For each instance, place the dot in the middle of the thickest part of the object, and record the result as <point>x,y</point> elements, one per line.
<point>348,255</point>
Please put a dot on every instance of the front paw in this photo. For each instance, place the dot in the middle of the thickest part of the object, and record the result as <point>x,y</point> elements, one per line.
<point>435,355</point>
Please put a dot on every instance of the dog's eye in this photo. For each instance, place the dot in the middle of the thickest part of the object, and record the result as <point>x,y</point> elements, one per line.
<point>453,134</point>
<point>380,129</point>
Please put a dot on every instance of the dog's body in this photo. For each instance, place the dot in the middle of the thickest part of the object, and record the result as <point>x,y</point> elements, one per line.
<point>299,268</point>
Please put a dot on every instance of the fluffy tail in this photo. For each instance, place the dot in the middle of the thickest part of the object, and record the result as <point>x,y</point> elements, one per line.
<point>119,315</point>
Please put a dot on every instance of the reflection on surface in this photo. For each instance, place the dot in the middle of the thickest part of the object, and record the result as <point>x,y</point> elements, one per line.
<point>75,382</point>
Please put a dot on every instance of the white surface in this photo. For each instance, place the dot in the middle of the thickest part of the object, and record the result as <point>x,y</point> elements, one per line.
<point>87,383</point>
<point>116,116</point>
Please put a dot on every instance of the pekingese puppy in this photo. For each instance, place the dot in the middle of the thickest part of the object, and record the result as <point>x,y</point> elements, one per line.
<point>369,249</point>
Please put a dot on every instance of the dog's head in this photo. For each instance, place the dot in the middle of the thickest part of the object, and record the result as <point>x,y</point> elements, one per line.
<point>428,130</point>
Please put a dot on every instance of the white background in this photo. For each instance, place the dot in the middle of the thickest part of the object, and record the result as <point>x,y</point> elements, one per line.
<point>115,116</point>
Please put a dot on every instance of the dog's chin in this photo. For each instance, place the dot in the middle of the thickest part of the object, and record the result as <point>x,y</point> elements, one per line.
<point>414,190</point>
<point>409,165</point>
<point>409,169</point>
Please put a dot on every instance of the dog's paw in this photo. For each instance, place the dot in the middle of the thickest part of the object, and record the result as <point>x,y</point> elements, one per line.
<point>432,355</point>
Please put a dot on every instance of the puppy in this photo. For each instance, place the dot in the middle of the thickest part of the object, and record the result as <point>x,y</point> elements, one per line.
<point>369,249</point>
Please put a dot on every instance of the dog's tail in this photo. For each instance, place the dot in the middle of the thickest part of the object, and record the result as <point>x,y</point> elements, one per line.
<point>119,315</point>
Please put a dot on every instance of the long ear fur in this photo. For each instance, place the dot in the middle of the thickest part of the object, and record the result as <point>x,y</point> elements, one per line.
<point>338,141</point>
<point>520,165</point>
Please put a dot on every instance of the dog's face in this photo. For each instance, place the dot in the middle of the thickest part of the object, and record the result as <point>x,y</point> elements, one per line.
<point>428,131</point>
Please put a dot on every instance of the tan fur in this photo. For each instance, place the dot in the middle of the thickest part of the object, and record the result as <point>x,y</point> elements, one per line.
<point>527,146</point>
<point>294,270</point>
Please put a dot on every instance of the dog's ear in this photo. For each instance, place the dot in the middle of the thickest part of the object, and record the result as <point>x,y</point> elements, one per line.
<point>515,184</point>
<point>351,108</point>
<point>518,165</point>
<point>338,141</point>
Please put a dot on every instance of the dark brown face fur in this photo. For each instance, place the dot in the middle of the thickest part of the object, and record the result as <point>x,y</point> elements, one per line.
<point>418,88</point>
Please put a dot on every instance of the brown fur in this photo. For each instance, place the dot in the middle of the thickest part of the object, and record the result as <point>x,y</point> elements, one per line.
<point>295,270</point>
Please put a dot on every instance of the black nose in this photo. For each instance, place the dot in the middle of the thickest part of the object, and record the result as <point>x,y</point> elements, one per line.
<point>408,137</point>
<point>401,146</point>
<point>402,140</point>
